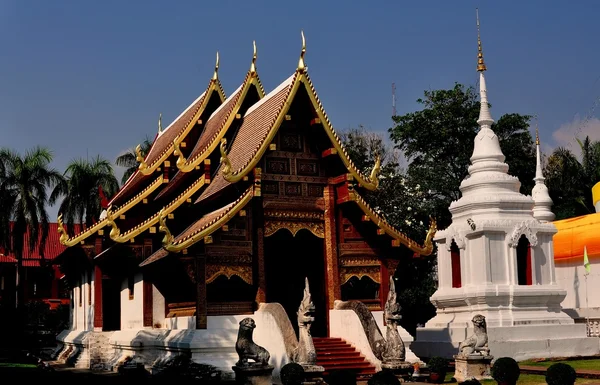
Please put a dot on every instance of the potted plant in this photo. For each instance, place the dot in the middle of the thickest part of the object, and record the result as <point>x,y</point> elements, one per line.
<point>438,367</point>
<point>506,371</point>
<point>560,374</point>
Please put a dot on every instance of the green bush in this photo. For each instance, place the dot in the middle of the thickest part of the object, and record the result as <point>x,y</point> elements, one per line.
<point>560,374</point>
<point>437,364</point>
<point>506,370</point>
<point>292,374</point>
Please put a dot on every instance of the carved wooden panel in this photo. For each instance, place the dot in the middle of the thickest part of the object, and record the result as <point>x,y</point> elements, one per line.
<point>290,141</point>
<point>315,190</point>
<point>270,187</point>
<point>307,167</point>
<point>278,166</point>
<point>293,189</point>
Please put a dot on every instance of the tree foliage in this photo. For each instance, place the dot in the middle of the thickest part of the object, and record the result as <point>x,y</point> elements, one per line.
<point>438,142</point>
<point>24,180</point>
<point>404,206</point>
<point>80,189</point>
<point>128,159</point>
<point>570,179</point>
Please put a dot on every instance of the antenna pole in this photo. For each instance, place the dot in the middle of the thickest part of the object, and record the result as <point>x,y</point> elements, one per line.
<point>393,99</point>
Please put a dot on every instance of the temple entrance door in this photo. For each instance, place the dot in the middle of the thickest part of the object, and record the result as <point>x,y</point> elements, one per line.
<point>288,260</point>
<point>111,304</point>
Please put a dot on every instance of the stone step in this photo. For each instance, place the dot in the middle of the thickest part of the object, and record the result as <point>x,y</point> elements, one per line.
<point>338,355</point>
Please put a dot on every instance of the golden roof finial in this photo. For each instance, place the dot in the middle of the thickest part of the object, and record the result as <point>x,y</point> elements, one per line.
<point>160,123</point>
<point>480,63</point>
<point>537,135</point>
<point>216,74</point>
<point>301,66</point>
<point>253,66</point>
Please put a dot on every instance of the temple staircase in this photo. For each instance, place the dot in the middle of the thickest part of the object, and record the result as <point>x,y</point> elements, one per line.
<point>337,354</point>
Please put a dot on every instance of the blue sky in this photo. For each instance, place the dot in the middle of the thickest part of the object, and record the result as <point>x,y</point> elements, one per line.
<point>90,77</point>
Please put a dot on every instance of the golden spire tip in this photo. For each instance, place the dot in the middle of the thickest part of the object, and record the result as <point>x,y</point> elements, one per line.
<point>480,63</point>
<point>537,135</point>
<point>216,74</point>
<point>301,65</point>
<point>253,66</point>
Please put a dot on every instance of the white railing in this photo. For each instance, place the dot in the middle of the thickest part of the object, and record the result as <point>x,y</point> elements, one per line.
<point>593,327</point>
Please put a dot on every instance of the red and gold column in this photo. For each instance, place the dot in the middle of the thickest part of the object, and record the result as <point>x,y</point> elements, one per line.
<point>333,291</point>
<point>98,288</point>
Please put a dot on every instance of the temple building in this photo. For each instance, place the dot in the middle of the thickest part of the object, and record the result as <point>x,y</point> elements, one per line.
<point>496,259</point>
<point>238,201</point>
<point>577,238</point>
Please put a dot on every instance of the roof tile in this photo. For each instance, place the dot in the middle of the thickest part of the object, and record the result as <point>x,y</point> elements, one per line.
<point>258,122</point>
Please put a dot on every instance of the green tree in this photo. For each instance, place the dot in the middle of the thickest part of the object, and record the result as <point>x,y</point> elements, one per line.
<point>403,204</point>
<point>128,159</point>
<point>438,142</point>
<point>570,180</point>
<point>80,189</point>
<point>24,180</point>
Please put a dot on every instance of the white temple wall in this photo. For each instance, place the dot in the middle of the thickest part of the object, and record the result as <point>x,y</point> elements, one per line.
<point>132,306</point>
<point>570,276</point>
<point>82,311</point>
<point>158,308</point>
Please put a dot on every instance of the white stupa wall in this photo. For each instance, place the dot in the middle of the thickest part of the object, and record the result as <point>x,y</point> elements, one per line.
<point>503,240</point>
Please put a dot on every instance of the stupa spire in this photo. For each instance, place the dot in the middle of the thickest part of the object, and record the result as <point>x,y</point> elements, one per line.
<point>542,209</point>
<point>485,117</point>
<point>487,147</point>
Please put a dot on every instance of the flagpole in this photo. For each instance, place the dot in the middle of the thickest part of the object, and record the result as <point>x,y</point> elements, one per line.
<point>586,266</point>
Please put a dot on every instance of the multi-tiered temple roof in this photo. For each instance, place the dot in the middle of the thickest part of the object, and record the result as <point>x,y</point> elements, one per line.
<point>203,169</point>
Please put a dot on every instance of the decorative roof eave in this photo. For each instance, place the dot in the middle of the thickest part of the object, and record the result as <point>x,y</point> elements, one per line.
<point>66,241</point>
<point>187,165</point>
<point>174,245</point>
<point>370,183</point>
<point>115,232</point>
<point>213,86</point>
<point>401,238</point>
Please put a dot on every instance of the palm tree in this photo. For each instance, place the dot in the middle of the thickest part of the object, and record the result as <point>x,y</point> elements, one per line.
<point>24,181</point>
<point>129,161</point>
<point>80,188</point>
<point>570,180</point>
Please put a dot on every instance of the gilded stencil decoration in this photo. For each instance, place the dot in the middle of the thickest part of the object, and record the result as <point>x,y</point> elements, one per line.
<point>271,227</point>
<point>214,271</point>
<point>373,272</point>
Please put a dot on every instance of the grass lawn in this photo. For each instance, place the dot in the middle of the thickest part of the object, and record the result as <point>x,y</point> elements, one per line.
<point>530,379</point>
<point>15,365</point>
<point>593,364</point>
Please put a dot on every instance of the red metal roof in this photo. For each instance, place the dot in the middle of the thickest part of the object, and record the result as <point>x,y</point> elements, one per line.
<point>7,259</point>
<point>32,259</point>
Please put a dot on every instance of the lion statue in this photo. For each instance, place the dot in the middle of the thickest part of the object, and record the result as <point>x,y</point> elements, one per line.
<point>478,342</point>
<point>247,349</point>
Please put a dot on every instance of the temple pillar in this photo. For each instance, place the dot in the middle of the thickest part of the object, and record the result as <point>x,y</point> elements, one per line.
<point>201,303</point>
<point>257,222</point>
<point>98,288</point>
<point>261,296</point>
<point>148,304</point>
<point>332,276</point>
